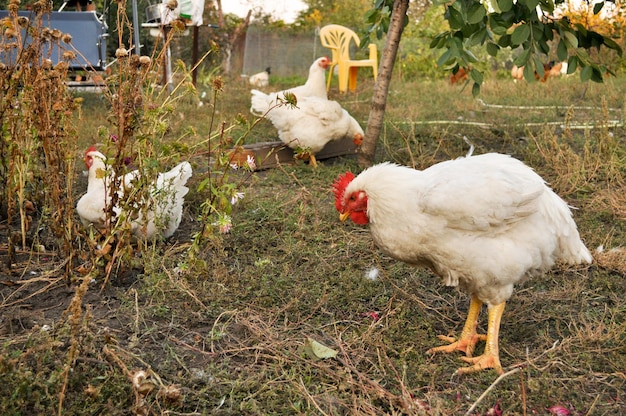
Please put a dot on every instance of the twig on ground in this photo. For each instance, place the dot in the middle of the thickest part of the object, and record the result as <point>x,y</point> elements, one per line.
<point>491,387</point>
<point>517,368</point>
<point>311,399</point>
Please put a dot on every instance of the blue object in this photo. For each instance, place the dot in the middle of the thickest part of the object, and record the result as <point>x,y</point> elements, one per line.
<point>88,37</point>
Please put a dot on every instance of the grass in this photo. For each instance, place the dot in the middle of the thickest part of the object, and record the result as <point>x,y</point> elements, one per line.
<point>229,332</point>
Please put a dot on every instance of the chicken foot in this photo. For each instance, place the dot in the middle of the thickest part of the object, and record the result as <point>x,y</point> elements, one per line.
<point>491,356</point>
<point>467,342</point>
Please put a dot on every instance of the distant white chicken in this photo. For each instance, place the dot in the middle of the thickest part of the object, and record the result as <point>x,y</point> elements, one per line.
<point>315,86</point>
<point>309,126</point>
<point>261,79</point>
<point>164,209</point>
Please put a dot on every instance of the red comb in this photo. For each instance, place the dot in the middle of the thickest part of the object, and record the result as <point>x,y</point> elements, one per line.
<point>339,187</point>
<point>91,148</point>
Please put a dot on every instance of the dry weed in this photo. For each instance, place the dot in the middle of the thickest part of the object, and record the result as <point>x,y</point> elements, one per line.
<point>612,259</point>
<point>596,163</point>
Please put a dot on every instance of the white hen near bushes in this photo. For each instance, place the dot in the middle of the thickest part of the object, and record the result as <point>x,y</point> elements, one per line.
<point>162,212</point>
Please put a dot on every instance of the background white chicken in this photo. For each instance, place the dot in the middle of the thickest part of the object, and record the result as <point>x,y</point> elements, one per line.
<point>261,79</point>
<point>315,86</point>
<point>483,223</point>
<point>161,215</point>
<point>310,125</point>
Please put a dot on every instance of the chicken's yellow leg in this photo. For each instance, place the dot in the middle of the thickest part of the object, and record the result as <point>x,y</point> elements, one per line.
<point>491,356</point>
<point>469,337</point>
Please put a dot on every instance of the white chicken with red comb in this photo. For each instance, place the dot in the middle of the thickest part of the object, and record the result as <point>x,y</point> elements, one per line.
<point>161,214</point>
<point>482,223</point>
<point>315,86</point>
<point>311,123</point>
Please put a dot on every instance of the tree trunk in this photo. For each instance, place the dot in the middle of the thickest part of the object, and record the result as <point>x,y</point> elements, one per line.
<point>381,88</point>
<point>230,39</point>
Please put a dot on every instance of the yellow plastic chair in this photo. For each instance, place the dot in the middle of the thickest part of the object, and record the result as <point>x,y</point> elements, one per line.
<point>337,38</point>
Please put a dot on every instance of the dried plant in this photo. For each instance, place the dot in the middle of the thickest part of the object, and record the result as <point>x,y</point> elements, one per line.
<point>580,164</point>
<point>37,143</point>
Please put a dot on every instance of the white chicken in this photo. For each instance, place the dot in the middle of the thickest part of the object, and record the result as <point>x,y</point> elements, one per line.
<point>261,79</point>
<point>315,86</point>
<point>161,215</point>
<point>311,124</point>
<point>483,223</point>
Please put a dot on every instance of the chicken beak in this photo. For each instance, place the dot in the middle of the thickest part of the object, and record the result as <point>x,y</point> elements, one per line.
<point>344,216</point>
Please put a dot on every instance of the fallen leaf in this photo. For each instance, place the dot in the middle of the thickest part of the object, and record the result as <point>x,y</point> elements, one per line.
<point>317,350</point>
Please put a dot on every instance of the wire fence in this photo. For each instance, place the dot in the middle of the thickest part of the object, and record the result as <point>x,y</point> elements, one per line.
<point>286,54</point>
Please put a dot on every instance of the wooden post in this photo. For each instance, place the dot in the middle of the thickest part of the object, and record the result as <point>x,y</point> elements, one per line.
<point>194,55</point>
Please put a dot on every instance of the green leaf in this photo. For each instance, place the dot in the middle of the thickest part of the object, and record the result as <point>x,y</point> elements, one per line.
<point>455,20</point>
<point>583,56</point>
<point>479,37</point>
<point>203,184</point>
<point>522,59</point>
<point>572,64</point>
<point>505,5</point>
<point>445,59</point>
<point>520,34</point>
<point>581,28</point>
<point>539,69</point>
<point>610,43</point>
<point>531,4</point>
<point>442,43</point>
<point>548,31</point>
<point>318,351</point>
<point>440,40</point>
<point>561,50</point>
<point>476,13</point>
<point>585,73</point>
<point>497,24</point>
<point>504,41</point>
<point>529,73</point>
<point>476,75</point>
<point>537,32</point>
<point>570,39</point>
<point>370,15</point>
<point>469,56</point>
<point>456,45</point>
<point>492,49</point>
<point>543,47</point>
<point>475,90</point>
<point>547,5</point>
<point>596,39</point>
<point>596,75</point>
<point>597,7</point>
